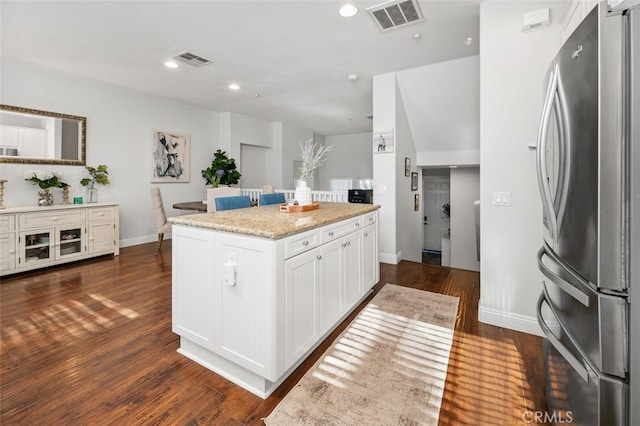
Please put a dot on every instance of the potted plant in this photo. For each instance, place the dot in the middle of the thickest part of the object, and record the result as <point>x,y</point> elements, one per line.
<point>313,156</point>
<point>45,179</point>
<point>99,175</point>
<point>222,171</point>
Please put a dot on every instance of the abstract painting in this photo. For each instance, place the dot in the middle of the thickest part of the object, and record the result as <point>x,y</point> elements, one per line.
<point>170,157</point>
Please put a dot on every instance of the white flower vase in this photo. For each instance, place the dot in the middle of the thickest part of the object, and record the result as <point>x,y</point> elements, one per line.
<point>303,194</point>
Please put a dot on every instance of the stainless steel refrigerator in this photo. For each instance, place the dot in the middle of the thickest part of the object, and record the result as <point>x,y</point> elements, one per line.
<point>588,161</point>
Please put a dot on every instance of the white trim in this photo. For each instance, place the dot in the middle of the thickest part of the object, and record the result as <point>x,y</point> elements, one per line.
<point>143,240</point>
<point>518,322</point>
<point>389,258</point>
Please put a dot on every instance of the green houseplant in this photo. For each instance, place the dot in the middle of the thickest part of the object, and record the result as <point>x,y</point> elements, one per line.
<point>45,179</point>
<point>222,170</point>
<point>99,175</point>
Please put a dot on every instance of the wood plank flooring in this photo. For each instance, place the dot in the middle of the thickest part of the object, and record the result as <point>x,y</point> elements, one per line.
<point>90,343</point>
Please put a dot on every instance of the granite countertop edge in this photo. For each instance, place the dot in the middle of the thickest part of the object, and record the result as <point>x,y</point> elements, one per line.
<point>268,222</point>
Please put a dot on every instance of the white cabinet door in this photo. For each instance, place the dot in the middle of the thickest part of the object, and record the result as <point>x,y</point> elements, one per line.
<point>352,258</point>
<point>331,278</point>
<point>7,251</point>
<point>193,298</point>
<point>302,276</point>
<point>101,237</point>
<point>370,264</point>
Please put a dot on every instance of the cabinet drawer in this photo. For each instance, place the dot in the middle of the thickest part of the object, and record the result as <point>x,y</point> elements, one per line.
<point>7,223</point>
<point>369,218</point>
<point>100,214</point>
<point>51,218</point>
<point>300,243</point>
<point>340,229</point>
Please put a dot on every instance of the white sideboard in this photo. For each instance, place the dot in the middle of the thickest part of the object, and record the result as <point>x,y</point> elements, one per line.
<point>252,309</point>
<point>36,237</point>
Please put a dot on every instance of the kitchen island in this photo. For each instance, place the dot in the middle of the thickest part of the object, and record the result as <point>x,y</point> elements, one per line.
<point>255,290</point>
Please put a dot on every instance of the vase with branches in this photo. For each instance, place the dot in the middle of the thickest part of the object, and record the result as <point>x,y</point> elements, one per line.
<point>313,156</point>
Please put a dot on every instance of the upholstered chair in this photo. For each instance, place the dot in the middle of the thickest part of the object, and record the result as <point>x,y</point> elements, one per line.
<point>267,189</point>
<point>161,218</point>
<point>230,203</point>
<point>222,191</point>
<point>274,198</point>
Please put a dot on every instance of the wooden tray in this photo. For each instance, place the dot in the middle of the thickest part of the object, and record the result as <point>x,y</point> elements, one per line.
<point>298,209</point>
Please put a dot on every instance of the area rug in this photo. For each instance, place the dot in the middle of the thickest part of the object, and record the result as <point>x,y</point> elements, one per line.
<point>387,368</point>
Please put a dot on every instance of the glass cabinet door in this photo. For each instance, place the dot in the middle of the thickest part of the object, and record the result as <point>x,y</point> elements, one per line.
<point>37,246</point>
<point>70,241</point>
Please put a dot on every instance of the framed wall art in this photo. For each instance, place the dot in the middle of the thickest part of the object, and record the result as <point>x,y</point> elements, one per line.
<point>383,142</point>
<point>169,157</point>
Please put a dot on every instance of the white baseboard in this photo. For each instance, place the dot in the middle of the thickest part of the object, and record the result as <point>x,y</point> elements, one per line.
<point>142,240</point>
<point>523,323</point>
<point>392,259</point>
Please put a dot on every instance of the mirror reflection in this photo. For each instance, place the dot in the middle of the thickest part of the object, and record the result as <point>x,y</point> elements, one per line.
<point>41,137</point>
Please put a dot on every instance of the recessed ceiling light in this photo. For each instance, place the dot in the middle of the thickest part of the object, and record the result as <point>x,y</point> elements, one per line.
<point>348,10</point>
<point>416,36</point>
<point>234,86</point>
<point>353,77</point>
<point>453,167</point>
<point>468,41</point>
<point>171,64</point>
<point>257,95</point>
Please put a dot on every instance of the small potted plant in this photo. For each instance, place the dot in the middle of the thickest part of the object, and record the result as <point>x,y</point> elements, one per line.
<point>45,179</point>
<point>99,175</point>
<point>222,171</point>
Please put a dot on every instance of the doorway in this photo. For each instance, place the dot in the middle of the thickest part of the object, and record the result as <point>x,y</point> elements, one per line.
<point>436,223</point>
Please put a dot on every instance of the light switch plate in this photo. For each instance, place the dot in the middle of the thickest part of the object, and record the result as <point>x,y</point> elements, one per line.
<point>501,198</point>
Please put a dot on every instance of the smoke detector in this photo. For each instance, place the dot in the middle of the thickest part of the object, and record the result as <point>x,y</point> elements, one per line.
<point>396,14</point>
<point>192,59</point>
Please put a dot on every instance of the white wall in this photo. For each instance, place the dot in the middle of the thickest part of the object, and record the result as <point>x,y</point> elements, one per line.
<point>119,127</point>
<point>465,189</point>
<point>292,137</point>
<point>351,157</point>
<point>253,166</point>
<point>512,69</point>
<point>408,220</point>
<point>442,103</point>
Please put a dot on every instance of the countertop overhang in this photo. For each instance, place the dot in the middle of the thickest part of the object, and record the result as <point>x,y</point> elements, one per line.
<point>270,222</point>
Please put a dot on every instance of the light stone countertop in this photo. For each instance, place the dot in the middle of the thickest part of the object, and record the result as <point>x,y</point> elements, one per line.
<point>269,222</point>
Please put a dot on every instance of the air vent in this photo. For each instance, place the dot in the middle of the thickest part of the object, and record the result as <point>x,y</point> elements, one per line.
<point>192,59</point>
<point>395,14</point>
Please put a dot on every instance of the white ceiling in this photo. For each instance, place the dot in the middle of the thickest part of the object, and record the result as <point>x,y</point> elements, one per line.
<point>295,54</point>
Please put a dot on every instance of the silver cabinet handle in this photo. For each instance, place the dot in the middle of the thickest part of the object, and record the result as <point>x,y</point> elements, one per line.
<point>348,243</point>
<point>371,219</point>
<point>319,257</point>
<point>344,244</point>
<point>358,223</point>
<point>305,243</point>
<point>366,234</point>
<point>331,233</point>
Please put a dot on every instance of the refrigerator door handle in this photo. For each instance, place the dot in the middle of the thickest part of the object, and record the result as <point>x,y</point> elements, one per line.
<point>580,369</point>
<point>541,160</point>
<point>564,141</point>
<point>566,286</point>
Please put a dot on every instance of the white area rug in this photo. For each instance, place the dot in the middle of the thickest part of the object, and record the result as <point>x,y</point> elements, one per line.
<point>387,368</point>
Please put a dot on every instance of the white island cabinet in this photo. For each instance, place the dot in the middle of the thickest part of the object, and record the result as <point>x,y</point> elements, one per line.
<point>252,301</point>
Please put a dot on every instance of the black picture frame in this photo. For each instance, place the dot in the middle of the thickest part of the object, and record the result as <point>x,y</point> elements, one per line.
<point>416,202</point>
<point>407,166</point>
<point>414,181</point>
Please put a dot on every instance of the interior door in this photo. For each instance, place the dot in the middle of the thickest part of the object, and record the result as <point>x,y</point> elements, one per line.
<point>436,192</point>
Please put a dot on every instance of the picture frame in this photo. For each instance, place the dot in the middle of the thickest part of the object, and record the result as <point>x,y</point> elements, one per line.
<point>414,181</point>
<point>407,166</point>
<point>170,157</point>
<point>383,142</point>
<point>416,202</point>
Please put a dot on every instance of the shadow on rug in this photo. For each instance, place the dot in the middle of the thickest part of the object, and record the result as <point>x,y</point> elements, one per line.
<point>387,368</point>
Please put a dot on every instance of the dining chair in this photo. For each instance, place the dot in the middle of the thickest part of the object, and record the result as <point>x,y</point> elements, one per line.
<point>274,198</point>
<point>267,189</point>
<point>235,202</point>
<point>161,218</point>
<point>222,191</point>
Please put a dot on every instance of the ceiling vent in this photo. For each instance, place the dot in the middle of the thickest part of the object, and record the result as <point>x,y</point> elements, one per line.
<point>192,59</point>
<point>396,14</point>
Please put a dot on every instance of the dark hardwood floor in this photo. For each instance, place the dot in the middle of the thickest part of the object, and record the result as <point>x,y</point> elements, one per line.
<point>90,343</point>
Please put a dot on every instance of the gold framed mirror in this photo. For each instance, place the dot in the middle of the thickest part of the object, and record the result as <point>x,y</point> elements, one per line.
<point>31,136</point>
